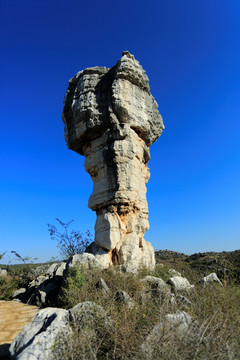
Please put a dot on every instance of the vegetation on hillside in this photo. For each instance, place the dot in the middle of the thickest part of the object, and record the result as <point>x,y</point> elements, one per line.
<point>215,308</point>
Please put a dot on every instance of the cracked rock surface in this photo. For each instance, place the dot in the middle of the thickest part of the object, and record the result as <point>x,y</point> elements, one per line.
<point>111,118</point>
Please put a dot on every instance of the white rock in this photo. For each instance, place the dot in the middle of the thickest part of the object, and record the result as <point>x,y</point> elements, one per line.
<point>60,269</point>
<point>173,272</point>
<point>51,270</point>
<point>36,341</point>
<point>89,313</point>
<point>123,297</point>
<point>18,293</point>
<point>103,256</point>
<point>210,280</point>
<point>180,326</point>
<point>86,260</point>
<point>180,283</point>
<point>111,118</point>
<point>183,299</point>
<point>156,283</point>
<point>38,281</point>
<point>101,284</point>
<point>3,272</point>
<point>132,257</point>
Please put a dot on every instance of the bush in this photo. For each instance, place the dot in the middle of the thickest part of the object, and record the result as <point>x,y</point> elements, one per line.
<point>69,242</point>
<point>69,295</point>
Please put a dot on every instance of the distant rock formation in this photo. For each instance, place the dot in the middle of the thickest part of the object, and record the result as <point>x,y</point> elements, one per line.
<point>111,118</point>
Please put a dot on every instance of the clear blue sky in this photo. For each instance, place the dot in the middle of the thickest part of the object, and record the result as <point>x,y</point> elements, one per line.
<point>191,53</point>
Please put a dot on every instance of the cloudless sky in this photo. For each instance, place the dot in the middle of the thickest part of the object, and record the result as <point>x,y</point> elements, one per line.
<point>190,50</point>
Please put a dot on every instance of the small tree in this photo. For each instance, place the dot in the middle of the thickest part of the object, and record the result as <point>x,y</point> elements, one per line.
<point>69,242</point>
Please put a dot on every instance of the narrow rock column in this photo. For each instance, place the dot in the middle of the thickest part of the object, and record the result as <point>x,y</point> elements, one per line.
<point>111,118</point>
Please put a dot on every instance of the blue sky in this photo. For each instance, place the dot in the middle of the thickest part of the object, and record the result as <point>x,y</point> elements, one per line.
<point>191,53</point>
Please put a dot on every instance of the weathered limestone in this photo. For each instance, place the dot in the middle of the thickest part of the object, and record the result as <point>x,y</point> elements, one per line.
<point>38,339</point>
<point>180,284</point>
<point>211,279</point>
<point>172,329</point>
<point>111,118</point>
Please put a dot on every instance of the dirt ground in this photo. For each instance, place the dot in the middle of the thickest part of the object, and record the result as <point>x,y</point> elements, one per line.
<point>13,317</point>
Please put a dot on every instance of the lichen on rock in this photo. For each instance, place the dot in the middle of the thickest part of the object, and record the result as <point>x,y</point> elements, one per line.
<point>111,118</point>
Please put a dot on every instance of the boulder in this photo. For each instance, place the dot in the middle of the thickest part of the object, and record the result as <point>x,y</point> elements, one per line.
<point>3,272</point>
<point>183,300</point>
<point>48,335</point>
<point>123,297</point>
<point>173,272</point>
<point>86,260</point>
<point>101,284</point>
<point>156,283</point>
<point>40,270</point>
<point>18,294</point>
<point>180,284</point>
<point>177,327</point>
<point>43,290</point>
<point>89,314</point>
<point>211,279</point>
<point>37,340</point>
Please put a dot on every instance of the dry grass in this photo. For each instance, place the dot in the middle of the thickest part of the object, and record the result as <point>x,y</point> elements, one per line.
<point>215,308</point>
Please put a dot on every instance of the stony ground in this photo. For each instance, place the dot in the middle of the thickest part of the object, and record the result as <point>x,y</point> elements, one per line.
<point>13,317</point>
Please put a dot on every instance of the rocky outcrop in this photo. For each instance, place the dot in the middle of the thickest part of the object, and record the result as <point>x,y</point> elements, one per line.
<point>43,290</point>
<point>177,327</point>
<point>47,336</point>
<point>111,118</point>
<point>38,339</point>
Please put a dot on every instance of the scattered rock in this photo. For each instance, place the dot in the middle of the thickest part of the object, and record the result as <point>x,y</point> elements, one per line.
<point>89,314</point>
<point>43,290</point>
<point>183,299</point>
<point>124,298</point>
<point>3,272</point>
<point>155,289</point>
<point>101,284</point>
<point>38,281</point>
<point>210,280</point>
<point>156,283</point>
<point>40,270</point>
<point>173,272</point>
<point>180,284</point>
<point>174,327</point>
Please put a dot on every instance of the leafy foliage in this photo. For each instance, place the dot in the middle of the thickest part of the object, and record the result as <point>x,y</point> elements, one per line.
<point>69,242</point>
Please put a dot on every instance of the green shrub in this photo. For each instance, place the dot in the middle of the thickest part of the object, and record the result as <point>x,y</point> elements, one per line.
<point>69,294</point>
<point>7,286</point>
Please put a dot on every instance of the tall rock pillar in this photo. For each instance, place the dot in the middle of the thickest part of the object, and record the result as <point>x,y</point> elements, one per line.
<point>111,118</point>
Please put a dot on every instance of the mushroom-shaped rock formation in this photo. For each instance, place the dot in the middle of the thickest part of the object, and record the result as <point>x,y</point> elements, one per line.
<point>111,118</point>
